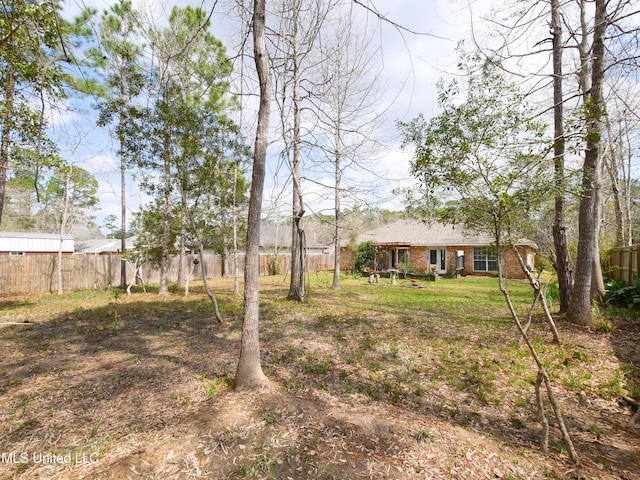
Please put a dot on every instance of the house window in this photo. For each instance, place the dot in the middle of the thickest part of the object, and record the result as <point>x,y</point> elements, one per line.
<point>484,259</point>
<point>16,254</point>
<point>398,256</point>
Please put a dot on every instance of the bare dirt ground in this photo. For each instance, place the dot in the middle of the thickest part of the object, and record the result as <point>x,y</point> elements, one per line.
<point>369,382</point>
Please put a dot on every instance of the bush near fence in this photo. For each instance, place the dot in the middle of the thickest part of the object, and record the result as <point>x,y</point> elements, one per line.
<point>38,273</point>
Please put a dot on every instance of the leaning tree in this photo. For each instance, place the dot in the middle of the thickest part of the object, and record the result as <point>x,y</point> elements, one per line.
<point>485,151</point>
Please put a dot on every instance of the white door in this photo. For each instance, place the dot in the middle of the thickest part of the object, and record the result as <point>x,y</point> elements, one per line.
<point>438,260</point>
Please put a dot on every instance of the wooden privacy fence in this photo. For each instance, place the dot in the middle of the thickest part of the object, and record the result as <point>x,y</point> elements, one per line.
<point>39,274</point>
<point>624,263</point>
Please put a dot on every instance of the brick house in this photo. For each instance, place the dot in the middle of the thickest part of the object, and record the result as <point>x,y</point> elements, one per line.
<point>444,249</point>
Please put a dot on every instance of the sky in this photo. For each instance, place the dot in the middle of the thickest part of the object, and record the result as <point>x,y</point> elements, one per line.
<point>412,64</point>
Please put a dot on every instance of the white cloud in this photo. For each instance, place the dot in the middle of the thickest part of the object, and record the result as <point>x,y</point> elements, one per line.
<point>412,66</point>
<point>101,165</point>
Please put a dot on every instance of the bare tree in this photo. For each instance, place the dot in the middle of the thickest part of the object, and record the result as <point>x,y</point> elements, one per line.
<point>296,287</point>
<point>622,132</point>
<point>294,41</point>
<point>67,194</point>
<point>600,33</point>
<point>591,82</point>
<point>249,373</point>
<point>561,258</point>
<point>599,47</point>
<point>347,105</point>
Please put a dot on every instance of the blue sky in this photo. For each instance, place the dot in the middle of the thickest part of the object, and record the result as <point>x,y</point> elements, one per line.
<point>411,66</point>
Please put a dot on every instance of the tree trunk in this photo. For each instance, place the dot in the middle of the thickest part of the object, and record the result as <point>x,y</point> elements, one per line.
<point>537,290</point>
<point>338,179</point>
<point>614,163</point>
<point>63,221</point>
<point>7,121</point>
<point>249,373</point>
<point>224,256</point>
<point>612,170</point>
<point>563,270</point>
<point>336,235</point>
<point>205,282</point>
<point>236,288</point>
<point>597,279</point>
<point>629,204</point>
<point>296,288</point>
<point>580,311</point>
<point>166,219</point>
<point>182,267</point>
<point>166,235</point>
<point>123,206</point>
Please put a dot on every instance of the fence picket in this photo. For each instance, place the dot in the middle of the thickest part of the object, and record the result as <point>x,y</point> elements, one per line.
<point>37,273</point>
<point>624,263</point>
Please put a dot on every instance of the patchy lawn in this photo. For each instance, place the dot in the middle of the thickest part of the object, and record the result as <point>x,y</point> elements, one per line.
<point>371,381</point>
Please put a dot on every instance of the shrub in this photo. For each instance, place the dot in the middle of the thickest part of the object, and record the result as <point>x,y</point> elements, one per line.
<point>406,268</point>
<point>623,294</point>
<point>552,293</point>
<point>364,256</point>
<point>541,264</point>
<point>275,265</point>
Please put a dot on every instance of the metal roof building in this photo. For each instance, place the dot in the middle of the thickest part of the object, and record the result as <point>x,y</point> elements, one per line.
<point>20,243</point>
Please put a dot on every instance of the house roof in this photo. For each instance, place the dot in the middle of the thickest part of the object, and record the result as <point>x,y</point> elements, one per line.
<point>34,235</point>
<point>34,242</point>
<point>417,233</point>
<point>102,245</point>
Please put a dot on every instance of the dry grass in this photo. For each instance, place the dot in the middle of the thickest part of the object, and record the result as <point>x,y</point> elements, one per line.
<point>372,381</point>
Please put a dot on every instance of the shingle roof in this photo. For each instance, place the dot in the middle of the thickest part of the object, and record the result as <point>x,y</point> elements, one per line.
<point>417,233</point>
<point>102,245</point>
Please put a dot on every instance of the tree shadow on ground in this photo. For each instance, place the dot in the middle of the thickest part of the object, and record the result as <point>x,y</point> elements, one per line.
<point>278,435</point>
<point>145,383</point>
<point>88,377</point>
<point>360,363</point>
<point>468,410</point>
<point>625,340</point>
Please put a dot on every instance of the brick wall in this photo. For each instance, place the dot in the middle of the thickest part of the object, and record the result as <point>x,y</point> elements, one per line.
<point>419,259</point>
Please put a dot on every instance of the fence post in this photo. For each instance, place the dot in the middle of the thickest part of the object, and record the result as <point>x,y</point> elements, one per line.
<point>615,264</point>
<point>36,273</point>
